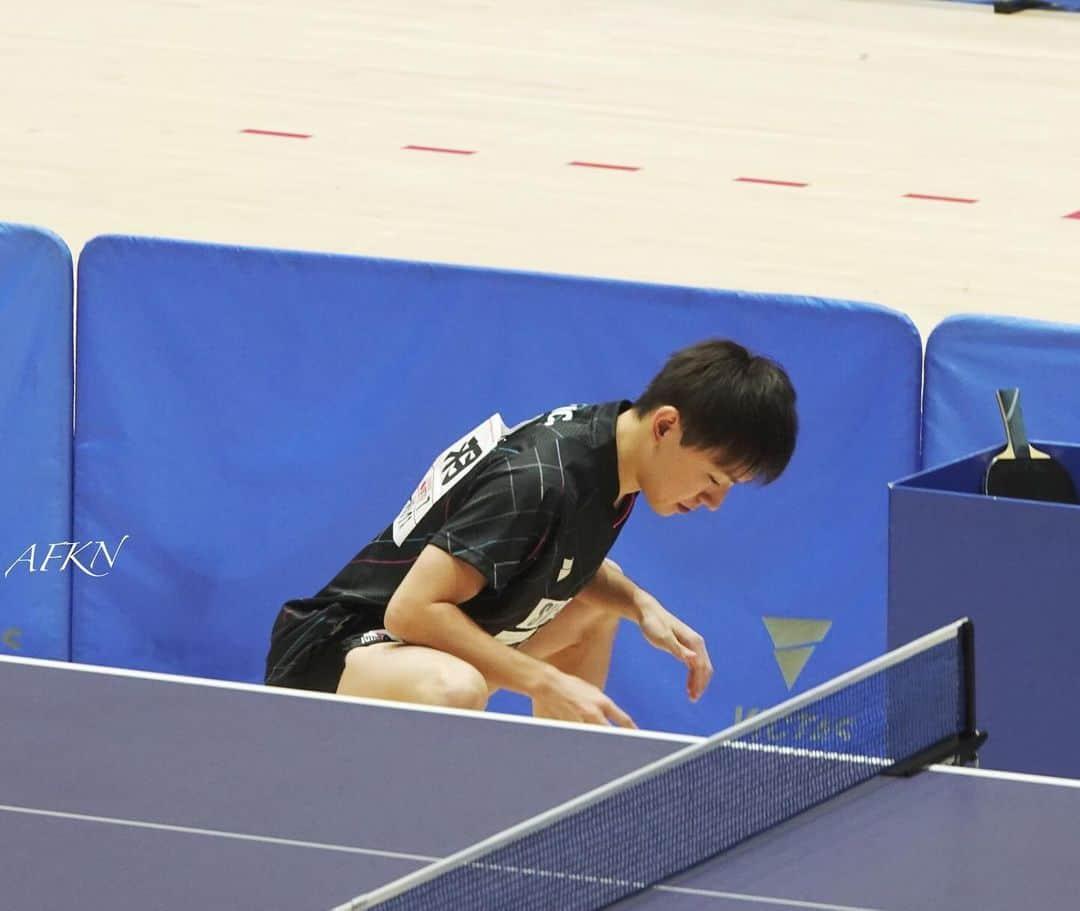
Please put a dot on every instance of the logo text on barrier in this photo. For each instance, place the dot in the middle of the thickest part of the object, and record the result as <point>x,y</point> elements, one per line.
<point>94,558</point>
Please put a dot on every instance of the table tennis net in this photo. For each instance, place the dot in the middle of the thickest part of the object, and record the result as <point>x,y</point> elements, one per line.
<point>708,798</point>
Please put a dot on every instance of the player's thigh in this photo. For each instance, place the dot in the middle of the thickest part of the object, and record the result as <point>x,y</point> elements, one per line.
<point>412,673</point>
<point>578,623</point>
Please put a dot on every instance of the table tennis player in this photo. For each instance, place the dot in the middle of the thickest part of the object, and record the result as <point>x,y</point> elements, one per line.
<point>495,572</point>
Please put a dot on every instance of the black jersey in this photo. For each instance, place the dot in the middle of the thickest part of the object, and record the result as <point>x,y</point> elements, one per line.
<point>533,509</point>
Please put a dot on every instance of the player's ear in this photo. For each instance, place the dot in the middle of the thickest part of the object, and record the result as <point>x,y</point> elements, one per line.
<point>664,420</point>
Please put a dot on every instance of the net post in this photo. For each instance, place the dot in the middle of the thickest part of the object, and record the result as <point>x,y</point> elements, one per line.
<point>971,738</point>
<point>963,748</point>
<point>966,635</point>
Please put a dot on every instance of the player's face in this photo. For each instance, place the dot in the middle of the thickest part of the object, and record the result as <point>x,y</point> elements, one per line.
<point>680,479</point>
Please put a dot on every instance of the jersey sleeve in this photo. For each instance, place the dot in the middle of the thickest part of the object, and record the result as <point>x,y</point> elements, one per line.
<point>502,522</point>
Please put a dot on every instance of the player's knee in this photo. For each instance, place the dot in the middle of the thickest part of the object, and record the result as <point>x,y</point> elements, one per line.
<point>458,687</point>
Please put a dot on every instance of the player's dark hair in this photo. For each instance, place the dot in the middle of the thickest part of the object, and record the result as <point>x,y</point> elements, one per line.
<point>730,399</point>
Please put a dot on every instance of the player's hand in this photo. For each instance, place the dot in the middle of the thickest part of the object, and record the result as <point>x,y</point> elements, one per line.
<point>667,632</point>
<point>569,698</point>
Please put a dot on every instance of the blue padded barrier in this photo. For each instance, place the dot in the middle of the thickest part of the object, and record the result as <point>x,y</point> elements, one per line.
<point>35,455</point>
<point>250,418</point>
<point>969,357</point>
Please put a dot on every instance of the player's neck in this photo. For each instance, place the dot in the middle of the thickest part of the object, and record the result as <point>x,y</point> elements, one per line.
<point>628,431</point>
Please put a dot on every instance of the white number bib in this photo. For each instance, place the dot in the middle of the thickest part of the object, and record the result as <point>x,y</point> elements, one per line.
<point>453,464</point>
<point>545,611</point>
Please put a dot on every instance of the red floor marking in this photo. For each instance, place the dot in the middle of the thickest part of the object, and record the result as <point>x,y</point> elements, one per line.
<point>606,167</point>
<point>278,133</point>
<point>773,183</point>
<point>436,149</point>
<point>623,167</point>
<point>938,198</point>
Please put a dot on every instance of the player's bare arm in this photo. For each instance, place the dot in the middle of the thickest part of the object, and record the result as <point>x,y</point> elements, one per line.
<point>424,611</point>
<point>611,589</point>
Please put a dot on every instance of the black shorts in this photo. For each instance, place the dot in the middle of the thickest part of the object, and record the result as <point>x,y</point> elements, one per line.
<point>308,645</point>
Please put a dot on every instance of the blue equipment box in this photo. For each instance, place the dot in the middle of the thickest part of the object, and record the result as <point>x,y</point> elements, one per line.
<point>1013,567</point>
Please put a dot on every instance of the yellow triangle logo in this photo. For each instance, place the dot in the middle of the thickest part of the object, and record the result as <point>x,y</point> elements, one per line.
<point>786,633</point>
<point>792,661</point>
<point>793,643</point>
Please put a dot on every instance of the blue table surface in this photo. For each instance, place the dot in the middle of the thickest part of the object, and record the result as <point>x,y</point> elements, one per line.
<point>123,791</point>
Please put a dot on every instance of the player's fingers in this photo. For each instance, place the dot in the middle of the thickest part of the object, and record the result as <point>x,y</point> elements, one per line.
<point>697,683</point>
<point>697,679</point>
<point>701,672</point>
<point>676,647</point>
<point>596,716</point>
<point>618,716</point>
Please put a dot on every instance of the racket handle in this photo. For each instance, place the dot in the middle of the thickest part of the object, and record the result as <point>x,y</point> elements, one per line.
<point>1013,417</point>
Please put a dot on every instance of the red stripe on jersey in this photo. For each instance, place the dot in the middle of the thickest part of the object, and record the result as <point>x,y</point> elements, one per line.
<point>536,549</point>
<point>631,500</point>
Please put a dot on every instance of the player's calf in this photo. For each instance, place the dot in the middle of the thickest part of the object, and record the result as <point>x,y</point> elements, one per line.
<point>578,641</point>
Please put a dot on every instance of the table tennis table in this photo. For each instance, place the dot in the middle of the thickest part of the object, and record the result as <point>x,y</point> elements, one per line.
<point>123,790</point>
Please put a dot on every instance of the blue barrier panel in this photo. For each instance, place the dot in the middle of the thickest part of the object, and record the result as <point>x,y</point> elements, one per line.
<point>1019,5</point>
<point>969,357</point>
<point>1009,565</point>
<point>249,419</point>
<point>35,455</point>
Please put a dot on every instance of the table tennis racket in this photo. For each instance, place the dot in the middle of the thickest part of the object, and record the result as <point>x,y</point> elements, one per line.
<point>1020,471</point>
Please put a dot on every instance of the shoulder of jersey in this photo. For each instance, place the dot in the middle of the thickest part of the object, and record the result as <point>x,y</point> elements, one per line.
<point>570,425</point>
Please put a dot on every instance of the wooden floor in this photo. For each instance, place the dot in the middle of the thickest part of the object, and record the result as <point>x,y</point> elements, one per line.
<point>127,116</point>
